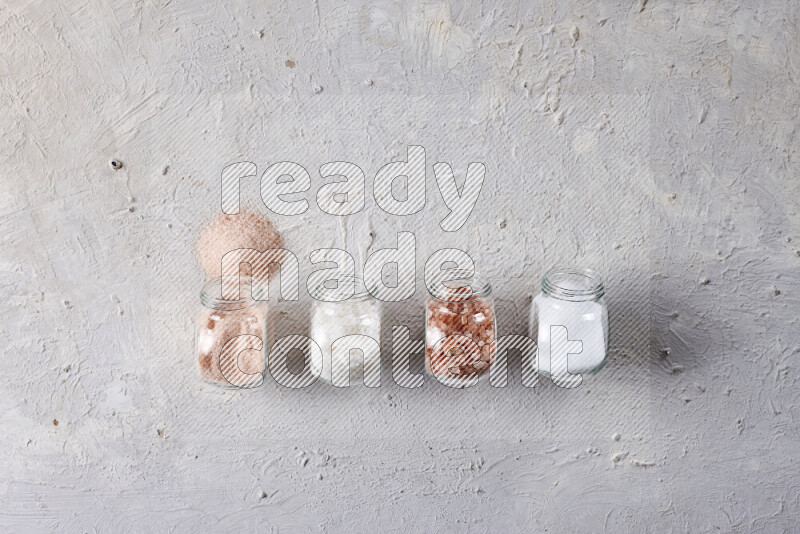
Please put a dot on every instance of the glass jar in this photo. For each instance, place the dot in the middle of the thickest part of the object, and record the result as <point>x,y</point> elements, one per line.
<point>464,309</point>
<point>569,317</point>
<point>222,320</point>
<point>359,319</point>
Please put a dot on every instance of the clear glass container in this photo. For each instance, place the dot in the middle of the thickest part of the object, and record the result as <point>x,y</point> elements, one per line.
<point>359,315</point>
<point>569,321</point>
<point>468,314</point>
<point>221,320</point>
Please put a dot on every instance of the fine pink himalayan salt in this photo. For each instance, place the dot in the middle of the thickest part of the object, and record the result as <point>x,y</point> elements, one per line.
<point>231,232</point>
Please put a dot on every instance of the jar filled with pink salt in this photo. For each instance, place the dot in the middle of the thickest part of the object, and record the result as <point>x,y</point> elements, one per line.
<point>460,327</point>
<point>231,336</point>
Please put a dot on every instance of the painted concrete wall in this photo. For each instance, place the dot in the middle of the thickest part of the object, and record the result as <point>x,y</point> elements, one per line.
<point>655,141</point>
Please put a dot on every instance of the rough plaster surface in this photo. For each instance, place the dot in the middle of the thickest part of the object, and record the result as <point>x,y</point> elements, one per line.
<point>655,141</point>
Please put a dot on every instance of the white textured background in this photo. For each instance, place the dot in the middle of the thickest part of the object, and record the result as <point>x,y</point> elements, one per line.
<point>655,141</point>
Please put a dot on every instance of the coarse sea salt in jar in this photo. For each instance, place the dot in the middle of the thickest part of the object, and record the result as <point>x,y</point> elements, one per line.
<point>347,327</point>
<point>569,320</point>
<point>460,328</point>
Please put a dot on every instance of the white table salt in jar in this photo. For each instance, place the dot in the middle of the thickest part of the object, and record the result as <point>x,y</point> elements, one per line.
<point>569,322</point>
<point>349,334</point>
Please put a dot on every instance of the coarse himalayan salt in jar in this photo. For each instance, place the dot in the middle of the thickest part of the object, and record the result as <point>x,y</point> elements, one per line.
<point>469,316</point>
<point>569,320</point>
<point>357,318</point>
<point>219,322</point>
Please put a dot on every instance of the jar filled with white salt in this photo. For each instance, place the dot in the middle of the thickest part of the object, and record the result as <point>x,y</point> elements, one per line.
<point>569,322</point>
<point>346,324</point>
<point>231,336</point>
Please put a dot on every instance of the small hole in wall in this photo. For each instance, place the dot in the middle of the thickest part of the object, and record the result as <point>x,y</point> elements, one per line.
<point>116,164</point>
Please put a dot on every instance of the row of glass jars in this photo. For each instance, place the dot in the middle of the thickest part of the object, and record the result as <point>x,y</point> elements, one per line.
<point>568,317</point>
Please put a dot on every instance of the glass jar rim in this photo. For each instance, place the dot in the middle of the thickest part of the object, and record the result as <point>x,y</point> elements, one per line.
<point>361,292</point>
<point>211,295</point>
<point>573,284</point>
<point>478,283</point>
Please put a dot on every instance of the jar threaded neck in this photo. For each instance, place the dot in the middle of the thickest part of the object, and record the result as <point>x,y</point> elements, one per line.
<point>341,293</point>
<point>211,295</point>
<point>573,284</point>
<point>459,285</point>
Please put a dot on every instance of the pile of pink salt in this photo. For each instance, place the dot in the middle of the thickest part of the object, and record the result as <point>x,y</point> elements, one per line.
<point>231,232</point>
